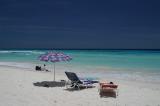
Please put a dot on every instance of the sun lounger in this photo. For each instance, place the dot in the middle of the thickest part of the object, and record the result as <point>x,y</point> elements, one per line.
<point>76,82</point>
<point>108,87</point>
<point>38,68</point>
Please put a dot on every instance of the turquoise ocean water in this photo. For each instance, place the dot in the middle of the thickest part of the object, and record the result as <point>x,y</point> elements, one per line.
<point>123,64</point>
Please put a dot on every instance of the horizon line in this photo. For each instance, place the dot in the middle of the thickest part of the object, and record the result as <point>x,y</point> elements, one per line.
<point>70,49</point>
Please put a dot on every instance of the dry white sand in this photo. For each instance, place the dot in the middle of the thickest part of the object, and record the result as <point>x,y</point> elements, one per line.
<point>17,89</point>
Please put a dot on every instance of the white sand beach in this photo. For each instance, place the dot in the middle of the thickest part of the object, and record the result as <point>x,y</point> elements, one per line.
<point>17,89</point>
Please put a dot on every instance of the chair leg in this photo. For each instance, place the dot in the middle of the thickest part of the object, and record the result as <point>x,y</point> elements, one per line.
<point>74,85</point>
<point>66,84</point>
<point>117,92</point>
<point>78,86</point>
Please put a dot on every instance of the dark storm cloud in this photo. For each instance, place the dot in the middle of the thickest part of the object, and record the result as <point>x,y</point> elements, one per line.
<point>80,24</point>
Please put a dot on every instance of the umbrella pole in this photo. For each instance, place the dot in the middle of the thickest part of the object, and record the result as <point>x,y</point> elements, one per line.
<point>54,71</point>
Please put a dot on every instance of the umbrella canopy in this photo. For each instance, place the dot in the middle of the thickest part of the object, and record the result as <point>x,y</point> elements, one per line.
<point>54,57</point>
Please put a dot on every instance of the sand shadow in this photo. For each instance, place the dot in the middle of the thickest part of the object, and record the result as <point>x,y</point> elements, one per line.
<point>50,84</point>
<point>71,89</point>
<point>108,94</point>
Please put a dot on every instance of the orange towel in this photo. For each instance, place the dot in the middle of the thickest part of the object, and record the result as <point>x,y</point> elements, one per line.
<point>103,85</point>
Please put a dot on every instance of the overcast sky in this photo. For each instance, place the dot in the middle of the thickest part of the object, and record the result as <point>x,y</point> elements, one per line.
<point>80,24</point>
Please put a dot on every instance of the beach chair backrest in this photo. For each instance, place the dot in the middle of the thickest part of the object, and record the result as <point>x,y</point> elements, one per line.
<point>72,76</point>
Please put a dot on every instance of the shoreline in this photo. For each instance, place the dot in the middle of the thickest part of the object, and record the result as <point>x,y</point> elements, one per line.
<point>103,72</point>
<point>143,77</point>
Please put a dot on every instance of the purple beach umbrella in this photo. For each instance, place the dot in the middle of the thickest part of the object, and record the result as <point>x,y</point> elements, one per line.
<point>54,57</point>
